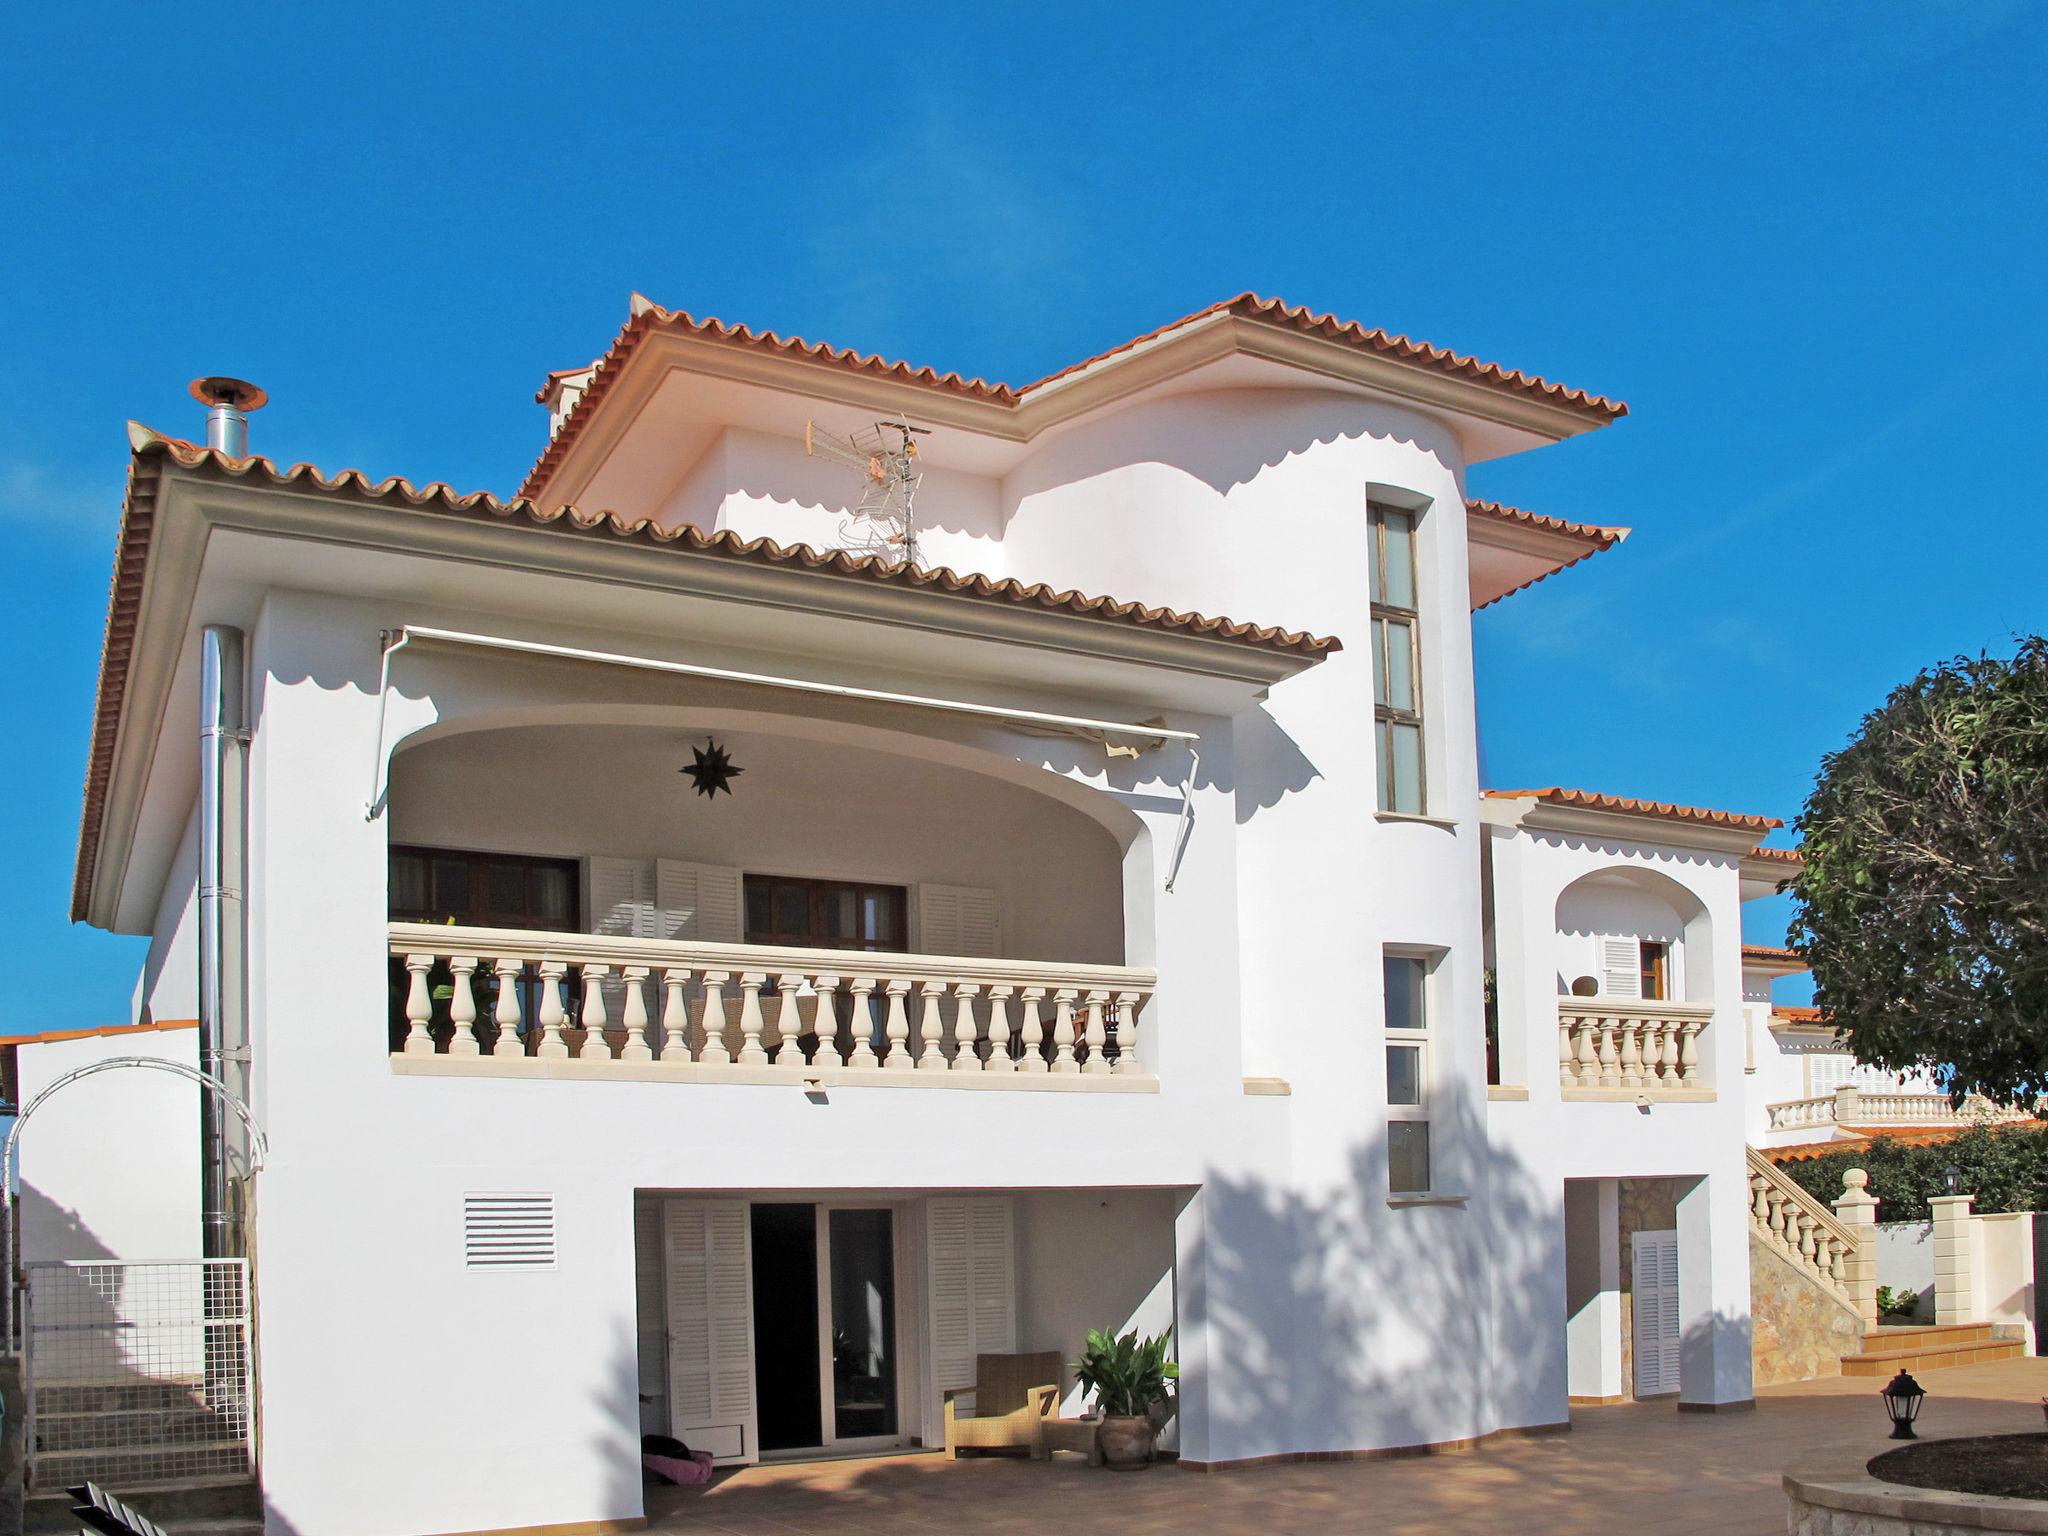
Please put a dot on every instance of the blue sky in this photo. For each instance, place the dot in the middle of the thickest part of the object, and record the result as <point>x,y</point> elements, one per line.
<point>1803,242</point>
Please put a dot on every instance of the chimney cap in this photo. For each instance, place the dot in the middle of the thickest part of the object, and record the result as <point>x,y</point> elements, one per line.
<point>236,394</point>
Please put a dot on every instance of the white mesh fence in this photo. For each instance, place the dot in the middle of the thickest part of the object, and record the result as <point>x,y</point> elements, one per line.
<point>137,1372</point>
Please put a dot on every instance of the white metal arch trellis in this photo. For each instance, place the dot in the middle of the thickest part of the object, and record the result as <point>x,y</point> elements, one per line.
<point>259,1147</point>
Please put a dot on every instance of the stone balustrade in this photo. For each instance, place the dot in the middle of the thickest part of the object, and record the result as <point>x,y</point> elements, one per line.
<point>1803,1230</point>
<point>1622,1048</point>
<point>488,1001</point>
<point>1851,1105</point>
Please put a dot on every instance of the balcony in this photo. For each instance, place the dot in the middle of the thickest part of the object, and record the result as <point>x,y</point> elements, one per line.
<point>1625,1049</point>
<point>494,1002</point>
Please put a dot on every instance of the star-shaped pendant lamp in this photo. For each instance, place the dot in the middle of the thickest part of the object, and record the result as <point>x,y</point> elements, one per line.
<point>712,769</point>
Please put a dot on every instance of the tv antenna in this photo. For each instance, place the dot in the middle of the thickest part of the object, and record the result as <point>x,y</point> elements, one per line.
<point>885,454</point>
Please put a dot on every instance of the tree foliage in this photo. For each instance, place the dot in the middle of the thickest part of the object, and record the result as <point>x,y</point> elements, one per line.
<point>1923,906</point>
<point>2004,1167</point>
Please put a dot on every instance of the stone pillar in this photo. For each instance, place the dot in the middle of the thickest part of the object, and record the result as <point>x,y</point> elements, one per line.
<point>1953,1301</point>
<point>1857,1210</point>
<point>1848,1105</point>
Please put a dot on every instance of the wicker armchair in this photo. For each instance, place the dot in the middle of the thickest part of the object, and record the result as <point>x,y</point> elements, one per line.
<point>1012,1395</point>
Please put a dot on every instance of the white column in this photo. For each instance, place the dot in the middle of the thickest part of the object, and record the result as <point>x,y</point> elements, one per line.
<point>419,1006</point>
<point>552,1045</point>
<point>715,1052</point>
<point>999,1005</point>
<point>1034,1031</point>
<point>751,1052</point>
<point>1713,1290</point>
<point>506,1009</point>
<point>898,1027</point>
<point>1127,1060</point>
<point>1592,1264</point>
<point>1063,1031</point>
<point>1953,1269</point>
<point>462,1007</point>
<point>931,1026</point>
<point>825,1022</point>
<point>966,1034</point>
<point>863,1057</point>
<point>1098,1035</point>
<point>675,1014</point>
<point>594,1020</point>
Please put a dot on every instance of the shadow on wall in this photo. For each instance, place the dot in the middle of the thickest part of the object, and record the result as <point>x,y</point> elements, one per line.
<point>1391,1315</point>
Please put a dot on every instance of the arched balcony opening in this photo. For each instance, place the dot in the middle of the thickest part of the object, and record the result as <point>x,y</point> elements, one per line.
<point>1632,955</point>
<point>842,900</point>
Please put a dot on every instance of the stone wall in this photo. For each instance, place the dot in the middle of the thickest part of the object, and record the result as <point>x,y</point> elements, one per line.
<point>1856,1504</point>
<point>1797,1330</point>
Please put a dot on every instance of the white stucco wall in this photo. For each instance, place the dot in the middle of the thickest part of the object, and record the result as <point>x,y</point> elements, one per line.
<point>109,1165</point>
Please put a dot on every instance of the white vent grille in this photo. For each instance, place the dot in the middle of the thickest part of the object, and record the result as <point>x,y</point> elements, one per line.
<point>508,1231</point>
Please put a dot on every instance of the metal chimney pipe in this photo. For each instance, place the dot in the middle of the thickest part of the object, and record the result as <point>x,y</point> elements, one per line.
<point>223,995</point>
<point>228,403</point>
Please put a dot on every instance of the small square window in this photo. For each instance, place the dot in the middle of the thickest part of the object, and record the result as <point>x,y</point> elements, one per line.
<point>1408,1157</point>
<point>1406,977</point>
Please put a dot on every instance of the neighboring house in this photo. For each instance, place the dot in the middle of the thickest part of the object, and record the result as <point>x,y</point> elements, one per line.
<point>1055,961</point>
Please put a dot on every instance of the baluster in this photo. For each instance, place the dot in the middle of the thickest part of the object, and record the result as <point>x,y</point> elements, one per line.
<point>594,1017</point>
<point>552,1045</point>
<point>419,1006</point>
<point>1097,1034</point>
<point>462,1007</point>
<point>675,1014</point>
<point>966,1034</point>
<point>1034,1032</point>
<point>825,1023</point>
<point>862,1058</point>
<point>1587,1026</point>
<point>1806,1240</point>
<point>1669,1029</point>
<point>1000,997</point>
<point>506,1009</point>
<point>1631,1052</point>
<point>789,1021</point>
<point>898,1027</point>
<point>1689,1054</point>
<point>1127,1006</point>
<point>931,1026</point>
<point>715,1052</point>
<point>751,1023</point>
<point>1063,1031</point>
<point>1610,1057</point>
<point>1567,1051</point>
<point>633,1015</point>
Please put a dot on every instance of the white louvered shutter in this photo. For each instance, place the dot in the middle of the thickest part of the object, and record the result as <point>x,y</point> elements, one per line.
<point>973,1285</point>
<point>958,920</point>
<point>1828,1070</point>
<point>1621,968</point>
<point>1654,1287</point>
<point>696,901</point>
<point>648,1315</point>
<point>710,1307</point>
<point>621,897</point>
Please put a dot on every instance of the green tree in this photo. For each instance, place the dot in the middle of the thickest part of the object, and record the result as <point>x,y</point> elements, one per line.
<point>1923,906</point>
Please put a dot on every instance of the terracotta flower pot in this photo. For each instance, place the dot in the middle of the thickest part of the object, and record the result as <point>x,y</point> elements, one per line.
<point>1126,1443</point>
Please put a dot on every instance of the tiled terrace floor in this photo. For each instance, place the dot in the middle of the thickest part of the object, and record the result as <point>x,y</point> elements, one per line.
<point>1633,1468</point>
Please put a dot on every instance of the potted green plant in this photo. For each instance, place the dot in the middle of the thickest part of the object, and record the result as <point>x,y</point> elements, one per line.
<point>1129,1378</point>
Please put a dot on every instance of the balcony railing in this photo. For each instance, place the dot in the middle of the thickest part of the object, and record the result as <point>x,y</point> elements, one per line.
<point>1851,1105</point>
<point>1625,1048</point>
<point>491,1001</point>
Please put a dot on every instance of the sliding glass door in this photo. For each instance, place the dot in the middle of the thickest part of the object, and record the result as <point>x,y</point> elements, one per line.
<point>858,1283</point>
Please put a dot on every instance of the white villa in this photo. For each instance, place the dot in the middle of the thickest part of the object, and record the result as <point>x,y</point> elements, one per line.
<point>1104,925</point>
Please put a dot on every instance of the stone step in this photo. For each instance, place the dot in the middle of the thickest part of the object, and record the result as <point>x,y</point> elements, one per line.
<point>187,1506</point>
<point>130,1464</point>
<point>117,1397</point>
<point>1932,1348</point>
<point>153,1426</point>
<point>1920,1333</point>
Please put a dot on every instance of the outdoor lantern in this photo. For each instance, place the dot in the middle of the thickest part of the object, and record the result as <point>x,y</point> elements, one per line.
<point>1952,1179</point>
<point>1902,1397</point>
<point>711,769</point>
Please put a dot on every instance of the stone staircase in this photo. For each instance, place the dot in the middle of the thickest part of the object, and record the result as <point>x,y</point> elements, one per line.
<point>1933,1347</point>
<point>187,1507</point>
<point>156,1444</point>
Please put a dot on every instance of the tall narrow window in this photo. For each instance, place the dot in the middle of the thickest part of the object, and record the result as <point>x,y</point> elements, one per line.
<point>1396,660</point>
<point>1656,969</point>
<point>1407,1005</point>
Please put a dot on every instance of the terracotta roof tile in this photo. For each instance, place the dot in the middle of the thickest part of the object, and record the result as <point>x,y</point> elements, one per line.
<point>102,1032</point>
<point>1788,1014</point>
<point>1247,305</point>
<point>1776,953</point>
<point>1586,799</point>
<point>1595,537</point>
<point>152,451</point>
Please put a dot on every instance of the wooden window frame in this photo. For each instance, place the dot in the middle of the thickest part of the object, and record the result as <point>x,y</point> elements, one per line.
<point>479,913</point>
<point>819,889</point>
<point>1654,969</point>
<point>1386,716</point>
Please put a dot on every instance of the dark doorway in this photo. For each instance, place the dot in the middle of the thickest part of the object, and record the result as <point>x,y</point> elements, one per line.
<point>786,1327</point>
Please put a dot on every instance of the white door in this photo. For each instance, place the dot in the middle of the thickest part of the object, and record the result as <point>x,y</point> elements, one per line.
<point>710,1306</point>
<point>1654,1286</point>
